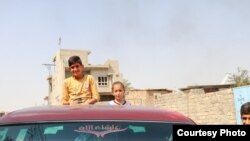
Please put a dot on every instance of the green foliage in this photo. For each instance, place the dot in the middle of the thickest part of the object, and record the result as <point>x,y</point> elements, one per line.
<point>240,78</point>
<point>127,85</point>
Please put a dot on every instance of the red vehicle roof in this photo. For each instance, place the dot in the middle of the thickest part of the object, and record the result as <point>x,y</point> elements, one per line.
<point>92,112</point>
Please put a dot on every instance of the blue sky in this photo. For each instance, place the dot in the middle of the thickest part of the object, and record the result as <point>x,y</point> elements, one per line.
<point>158,43</point>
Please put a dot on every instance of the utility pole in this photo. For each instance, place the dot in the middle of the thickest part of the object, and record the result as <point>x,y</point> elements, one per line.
<point>60,42</point>
<point>48,66</point>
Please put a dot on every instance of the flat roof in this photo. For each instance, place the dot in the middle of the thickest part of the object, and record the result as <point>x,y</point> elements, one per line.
<point>160,89</point>
<point>206,86</point>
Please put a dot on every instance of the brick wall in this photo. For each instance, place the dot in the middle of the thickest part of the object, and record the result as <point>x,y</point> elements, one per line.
<point>143,97</point>
<point>209,108</point>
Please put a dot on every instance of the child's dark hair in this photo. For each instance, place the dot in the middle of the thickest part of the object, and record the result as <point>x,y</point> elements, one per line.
<point>118,82</point>
<point>74,59</point>
<point>245,108</point>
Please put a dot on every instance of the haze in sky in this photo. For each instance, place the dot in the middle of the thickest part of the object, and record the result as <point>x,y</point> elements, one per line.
<point>158,43</point>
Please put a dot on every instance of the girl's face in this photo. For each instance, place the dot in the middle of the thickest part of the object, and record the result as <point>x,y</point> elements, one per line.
<point>118,92</point>
<point>76,70</point>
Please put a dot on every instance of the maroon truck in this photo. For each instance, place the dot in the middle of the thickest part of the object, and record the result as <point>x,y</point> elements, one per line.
<point>90,123</point>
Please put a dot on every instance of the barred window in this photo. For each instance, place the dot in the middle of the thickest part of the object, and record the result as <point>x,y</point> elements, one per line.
<point>103,81</point>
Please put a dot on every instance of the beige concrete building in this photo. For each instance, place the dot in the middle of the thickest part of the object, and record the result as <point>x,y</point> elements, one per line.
<point>104,74</point>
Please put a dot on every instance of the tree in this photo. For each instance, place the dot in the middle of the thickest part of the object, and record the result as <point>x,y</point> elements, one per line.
<point>127,85</point>
<point>240,78</point>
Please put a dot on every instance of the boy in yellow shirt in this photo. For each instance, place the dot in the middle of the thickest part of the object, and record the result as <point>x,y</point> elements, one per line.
<point>79,88</point>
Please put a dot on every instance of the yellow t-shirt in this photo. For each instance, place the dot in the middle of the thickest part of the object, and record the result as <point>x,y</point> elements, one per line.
<point>79,90</point>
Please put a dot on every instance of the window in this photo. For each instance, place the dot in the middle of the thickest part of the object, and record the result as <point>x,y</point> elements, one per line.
<point>19,133</point>
<point>103,81</point>
<point>89,131</point>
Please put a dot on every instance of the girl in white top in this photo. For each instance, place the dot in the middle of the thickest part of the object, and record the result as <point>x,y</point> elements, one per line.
<point>118,91</point>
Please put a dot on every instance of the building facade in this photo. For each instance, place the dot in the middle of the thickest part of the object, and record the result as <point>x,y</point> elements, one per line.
<point>104,74</point>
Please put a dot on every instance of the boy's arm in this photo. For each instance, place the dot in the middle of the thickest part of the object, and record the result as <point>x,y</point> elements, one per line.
<point>90,101</point>
<point>95,95</point>
<point>65,95</point>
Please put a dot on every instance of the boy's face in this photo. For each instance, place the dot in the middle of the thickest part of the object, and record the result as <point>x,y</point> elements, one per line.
<point>76,70</point>
<point>245,119</point>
